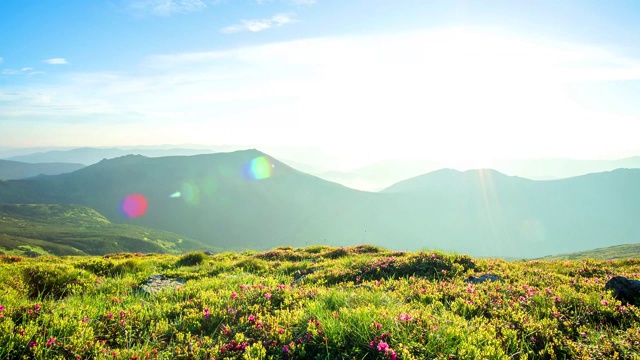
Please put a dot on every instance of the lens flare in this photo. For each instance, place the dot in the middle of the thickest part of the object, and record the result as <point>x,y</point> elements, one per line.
<point>175,195</point>
<point>190,193</point>
<point>134,205</point>
<point>259,168</point>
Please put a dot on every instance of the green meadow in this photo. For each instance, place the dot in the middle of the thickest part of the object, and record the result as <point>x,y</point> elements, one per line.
<point>317,302</point>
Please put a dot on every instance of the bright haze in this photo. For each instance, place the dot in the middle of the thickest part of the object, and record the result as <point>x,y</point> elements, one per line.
<point>463,82</point>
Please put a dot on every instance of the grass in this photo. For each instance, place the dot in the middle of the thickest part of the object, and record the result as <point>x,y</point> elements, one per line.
<point>35,229</point>
<point>347,303</point>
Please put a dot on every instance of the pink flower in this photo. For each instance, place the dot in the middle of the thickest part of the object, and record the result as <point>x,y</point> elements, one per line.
<point>1,308</point>
<point>32,344</point>
<point>36,307</point>
<point>280,330</point>
<point>604,302</point>
<point>377,325</point>
<point>252,319</point>
<point>383,346</point>
<point>268,296</point>
<point>51,341</point>
<point>234,295</point>
<point>206,313</point>
<point>85,319</point>
<point>548,290</point>
<point>285,349</point>
<point>405,317</point>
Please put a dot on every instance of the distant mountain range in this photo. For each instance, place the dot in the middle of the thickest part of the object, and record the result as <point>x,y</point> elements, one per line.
<point>381,175</point>
<point>247,199</point>
<point>18,170</point>
<point>77,230</point>
<point>89,156</point>
<point>374,177</point>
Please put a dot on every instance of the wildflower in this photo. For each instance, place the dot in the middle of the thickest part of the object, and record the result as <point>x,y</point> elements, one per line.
<point>234,295</point>
<point>36,307</point>
<point>268,296</point>
<point>280,330</point>
<point>122,314</point>
<point>32,344</point>
<point>85,319</point>
<point>206,313</point>
<point>383,346</point>
<point>547,290</point>
<point>285,349</point>
<point>604,302</point>
<point>252,319</point>
<point>377,325</point>
<point>405,317</point>
<point>51,341</point>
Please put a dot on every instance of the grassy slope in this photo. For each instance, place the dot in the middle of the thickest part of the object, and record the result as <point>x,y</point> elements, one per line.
<point>353,303</point>
<point>608,253</point>
<point>78,230</point>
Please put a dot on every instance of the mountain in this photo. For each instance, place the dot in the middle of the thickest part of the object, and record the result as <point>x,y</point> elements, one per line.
<point>247,199</point>
<point>627,251</point>
<point>383,174</point>
<point>89,156</point>
<point>547,169</point>
<point>78,230</point>
<point>19,170</point>
<point>380,175</point>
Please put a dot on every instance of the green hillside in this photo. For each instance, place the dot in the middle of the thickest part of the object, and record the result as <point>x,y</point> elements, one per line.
<point>609,253</point>
<point>77,230</point>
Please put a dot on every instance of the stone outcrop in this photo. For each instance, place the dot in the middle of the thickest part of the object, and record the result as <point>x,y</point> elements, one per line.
<point>625,290</point>
<point>157,283</point>
<point>482,278</point>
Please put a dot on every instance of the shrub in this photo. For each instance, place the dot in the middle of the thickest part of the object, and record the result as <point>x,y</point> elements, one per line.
<point>192,259</point>
<point>56,281</point>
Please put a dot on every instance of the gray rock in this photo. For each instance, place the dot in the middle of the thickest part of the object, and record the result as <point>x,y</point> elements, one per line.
<point>625,290</point>
<point>157,283</point>
<point>482,278</point>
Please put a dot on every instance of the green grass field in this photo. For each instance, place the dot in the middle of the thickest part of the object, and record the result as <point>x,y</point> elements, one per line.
<point>314,303</point>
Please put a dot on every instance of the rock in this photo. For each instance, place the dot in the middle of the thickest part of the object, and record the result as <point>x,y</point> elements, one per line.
<point>157,283</point>
<point>209,253</point>
<point>482,278</point>
<point>625,290</point>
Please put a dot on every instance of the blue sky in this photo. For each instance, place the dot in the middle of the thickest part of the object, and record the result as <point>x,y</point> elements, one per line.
<point>458,80</point>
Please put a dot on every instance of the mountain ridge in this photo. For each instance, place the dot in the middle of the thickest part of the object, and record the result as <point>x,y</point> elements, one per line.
<point>248,199</point>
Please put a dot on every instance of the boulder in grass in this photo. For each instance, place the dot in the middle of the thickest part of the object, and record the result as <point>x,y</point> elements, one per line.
<point>625,290</point>
<point>157,283</point>
<point>482,278</point>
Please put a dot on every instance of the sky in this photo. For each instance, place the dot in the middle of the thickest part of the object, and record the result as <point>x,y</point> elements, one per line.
<point>361,80</point>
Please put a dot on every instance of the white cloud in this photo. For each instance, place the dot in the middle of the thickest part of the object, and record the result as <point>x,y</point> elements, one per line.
<point>451,93</point>
<point>10,72</point>
<point>56,61</point>
<point>168,7</point>
<point>257,25</point>
<point>24,69</point>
